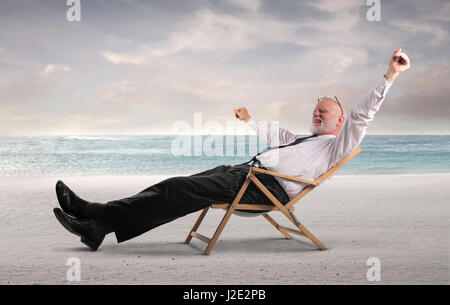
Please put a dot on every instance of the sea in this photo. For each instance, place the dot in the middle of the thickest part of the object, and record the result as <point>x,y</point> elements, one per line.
<point>183,155</point>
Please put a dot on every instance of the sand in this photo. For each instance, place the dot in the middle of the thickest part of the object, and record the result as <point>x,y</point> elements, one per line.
<point>403,220</point>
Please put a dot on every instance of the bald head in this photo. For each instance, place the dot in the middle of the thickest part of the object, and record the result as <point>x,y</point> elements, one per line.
<point>328,117</point>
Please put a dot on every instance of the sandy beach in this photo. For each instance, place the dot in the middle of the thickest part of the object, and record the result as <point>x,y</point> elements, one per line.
<point>403,220</point>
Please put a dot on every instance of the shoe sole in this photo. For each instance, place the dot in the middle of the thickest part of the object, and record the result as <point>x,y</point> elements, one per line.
<point>62,220</point>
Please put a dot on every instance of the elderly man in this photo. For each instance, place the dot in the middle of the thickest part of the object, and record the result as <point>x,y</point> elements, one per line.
<point>333,138</point>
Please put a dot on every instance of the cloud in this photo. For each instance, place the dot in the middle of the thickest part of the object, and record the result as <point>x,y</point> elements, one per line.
<point>164,71</point>
<point>437,32</point>
<point>209,31</point>
<point>123,58</point>
<point>54,68</point>
<point>431,11</point>
<point>120,92</point>
<point>141,65</point>
<point>425,96</point>
<point>334,6</point>
<point>249,5</point>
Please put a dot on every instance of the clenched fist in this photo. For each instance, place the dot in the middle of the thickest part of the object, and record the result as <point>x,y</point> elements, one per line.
<point>241,113</point>
<point>399,63</point>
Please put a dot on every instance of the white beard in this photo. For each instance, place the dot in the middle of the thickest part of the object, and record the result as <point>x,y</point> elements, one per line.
<point>324,127</point>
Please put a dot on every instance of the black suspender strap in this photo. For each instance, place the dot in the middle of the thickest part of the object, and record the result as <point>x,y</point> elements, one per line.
<point>256,161</point>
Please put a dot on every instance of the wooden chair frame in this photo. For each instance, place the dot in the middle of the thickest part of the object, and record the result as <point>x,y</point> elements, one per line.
<point>286,209</point>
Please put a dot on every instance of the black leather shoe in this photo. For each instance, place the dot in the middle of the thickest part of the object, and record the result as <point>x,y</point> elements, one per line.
<point>91,231</point>
<point>69,201</point>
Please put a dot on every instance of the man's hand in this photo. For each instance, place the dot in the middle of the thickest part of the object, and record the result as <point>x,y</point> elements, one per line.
<point>241,113</point>
<point>399,63</point>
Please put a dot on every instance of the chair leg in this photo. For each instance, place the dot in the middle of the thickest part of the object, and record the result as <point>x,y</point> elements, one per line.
<point>305,231</point>
<point>219,230</point>
<point>196,225</point>
<point>277,226</point>
<point>310,236</point>
<point>227,216</point>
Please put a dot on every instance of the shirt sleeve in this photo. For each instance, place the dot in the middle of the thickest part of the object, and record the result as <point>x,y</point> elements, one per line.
<point>272,133</point>
<point>354,128</point>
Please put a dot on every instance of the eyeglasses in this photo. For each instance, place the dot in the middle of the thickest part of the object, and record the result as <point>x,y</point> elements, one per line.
<point>333,98</point>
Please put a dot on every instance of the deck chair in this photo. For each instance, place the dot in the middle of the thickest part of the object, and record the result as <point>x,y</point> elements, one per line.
<point>239,208</point>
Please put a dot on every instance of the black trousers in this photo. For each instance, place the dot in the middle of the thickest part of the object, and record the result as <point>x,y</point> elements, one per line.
<point>178,196</point>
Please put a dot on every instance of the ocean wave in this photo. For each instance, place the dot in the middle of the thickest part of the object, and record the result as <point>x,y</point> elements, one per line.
<point>92,138</point>
<point>152,154</point>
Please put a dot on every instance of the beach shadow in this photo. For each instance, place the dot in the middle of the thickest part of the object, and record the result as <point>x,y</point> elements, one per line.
<point>74,249</point>
<point>195,248</point>
<point>275,245</point>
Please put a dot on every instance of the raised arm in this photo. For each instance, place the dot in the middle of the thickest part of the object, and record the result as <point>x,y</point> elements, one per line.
<point>354,128</point>
<point>272,134</point>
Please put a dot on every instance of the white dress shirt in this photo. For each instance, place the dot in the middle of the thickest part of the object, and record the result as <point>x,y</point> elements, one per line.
<point>314,156</point>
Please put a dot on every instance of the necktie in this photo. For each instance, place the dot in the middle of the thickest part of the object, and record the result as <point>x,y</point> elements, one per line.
<point>297,141</point>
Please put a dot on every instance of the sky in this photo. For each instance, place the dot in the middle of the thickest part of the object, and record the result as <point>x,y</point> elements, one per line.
<point>139,67</point>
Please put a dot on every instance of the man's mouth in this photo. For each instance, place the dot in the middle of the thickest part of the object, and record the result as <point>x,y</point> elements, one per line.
<point>317,121</point>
